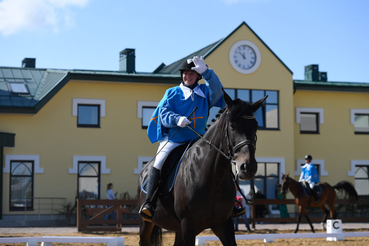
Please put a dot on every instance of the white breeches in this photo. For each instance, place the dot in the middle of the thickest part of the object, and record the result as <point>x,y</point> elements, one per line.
<point>161,154</point>
<point>311,184</point>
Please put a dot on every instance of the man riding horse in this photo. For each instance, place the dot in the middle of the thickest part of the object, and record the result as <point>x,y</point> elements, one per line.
<point>310,175</point>
<point>172,116</point>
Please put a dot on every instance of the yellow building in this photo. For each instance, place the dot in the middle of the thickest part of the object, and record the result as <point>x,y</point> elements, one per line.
<point>65,133</point>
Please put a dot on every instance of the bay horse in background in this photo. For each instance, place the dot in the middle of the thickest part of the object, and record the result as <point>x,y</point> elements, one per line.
<point>328,196</point>
<point>204,194</point>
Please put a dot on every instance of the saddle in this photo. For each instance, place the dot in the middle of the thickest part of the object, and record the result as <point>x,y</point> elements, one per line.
<point>309,192</point>
<point>170,168</point>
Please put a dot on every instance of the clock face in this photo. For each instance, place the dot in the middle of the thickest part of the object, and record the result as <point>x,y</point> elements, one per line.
<point>244,57</point>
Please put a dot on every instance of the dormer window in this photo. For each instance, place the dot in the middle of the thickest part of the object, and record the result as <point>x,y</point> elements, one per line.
<point>18,88</point>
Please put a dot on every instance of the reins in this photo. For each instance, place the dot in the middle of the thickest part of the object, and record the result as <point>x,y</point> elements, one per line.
<point>231,150</point>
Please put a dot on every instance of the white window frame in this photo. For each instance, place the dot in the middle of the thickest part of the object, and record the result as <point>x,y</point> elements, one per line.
<point>319,162</point>
<point>354,163</point>
<point>34,158</point>
<point>320,111</point>
<point>82,158</point>
<point>140,163</point>
<point>354,111</point>
<point>86,101</point>
<point>142,104</point>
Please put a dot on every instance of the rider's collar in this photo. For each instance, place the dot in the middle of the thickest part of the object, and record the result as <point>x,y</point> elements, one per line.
<point>187,91</point>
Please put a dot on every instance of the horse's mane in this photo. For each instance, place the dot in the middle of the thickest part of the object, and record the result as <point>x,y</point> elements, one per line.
<point>237,109</point>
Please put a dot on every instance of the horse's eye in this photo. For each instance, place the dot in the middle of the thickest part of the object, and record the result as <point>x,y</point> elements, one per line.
<point>232,126</point>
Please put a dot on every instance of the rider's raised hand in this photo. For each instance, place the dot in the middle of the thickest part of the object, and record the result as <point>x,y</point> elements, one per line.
<point>200,65</point>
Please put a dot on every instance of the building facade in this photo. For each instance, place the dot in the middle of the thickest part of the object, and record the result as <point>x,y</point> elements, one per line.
<point>68,133</point>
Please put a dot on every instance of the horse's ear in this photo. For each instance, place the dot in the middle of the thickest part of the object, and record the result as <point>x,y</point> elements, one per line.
<point>228,100</point>
<point>288,174</point>
<point>256,105</point>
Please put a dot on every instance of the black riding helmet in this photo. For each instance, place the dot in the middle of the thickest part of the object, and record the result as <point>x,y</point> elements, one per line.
<point>187,65</point>
<point>308,157</point>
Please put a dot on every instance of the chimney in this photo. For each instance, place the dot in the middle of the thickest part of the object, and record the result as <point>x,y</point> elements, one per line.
<point>127,61</point>
<point>29,62</point>
<point>323,76</point>
<point>312,72</point>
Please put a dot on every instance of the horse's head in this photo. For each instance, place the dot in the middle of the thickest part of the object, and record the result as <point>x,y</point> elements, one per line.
<point>285,183</point>
<point>241,127</point>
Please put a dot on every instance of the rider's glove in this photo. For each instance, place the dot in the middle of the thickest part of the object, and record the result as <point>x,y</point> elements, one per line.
<point>183,122</point>
<point>200,65</point>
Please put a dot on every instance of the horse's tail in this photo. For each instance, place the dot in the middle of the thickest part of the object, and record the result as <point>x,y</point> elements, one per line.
<point>156,236</point>
<point>349,190</point>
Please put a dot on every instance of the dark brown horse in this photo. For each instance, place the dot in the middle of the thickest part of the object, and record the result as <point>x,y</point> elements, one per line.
<point>204,195</point>
<point>328,197</point>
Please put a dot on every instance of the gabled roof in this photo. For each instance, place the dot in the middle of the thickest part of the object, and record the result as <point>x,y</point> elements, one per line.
<point>175,66</point>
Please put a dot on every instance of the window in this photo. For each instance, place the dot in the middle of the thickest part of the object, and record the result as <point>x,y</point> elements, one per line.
<point>89,180</point>
<point>88,116</point>
<point>362,180</point>
<point>267,115</point>
<point>141,162</point>
<point>88,112</point>
<point>319,164</point>
<point>18,88</point>
<point>361,124</point>
<point>309,123</point>
<point>147,113</point>
<point>145,110</point>
<point>21,185</point>
<point>309,119</point>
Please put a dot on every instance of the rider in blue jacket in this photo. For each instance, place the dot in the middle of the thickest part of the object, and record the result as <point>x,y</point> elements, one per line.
<point>172,115</point>
<point>310,174</point>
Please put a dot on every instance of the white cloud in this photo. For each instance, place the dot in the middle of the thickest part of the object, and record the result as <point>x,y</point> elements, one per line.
<point>18,15</point>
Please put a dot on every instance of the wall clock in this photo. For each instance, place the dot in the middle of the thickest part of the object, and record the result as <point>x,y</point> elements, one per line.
<point>244,57</point>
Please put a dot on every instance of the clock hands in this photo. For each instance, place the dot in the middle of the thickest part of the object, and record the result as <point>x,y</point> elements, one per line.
<point>242,54</point>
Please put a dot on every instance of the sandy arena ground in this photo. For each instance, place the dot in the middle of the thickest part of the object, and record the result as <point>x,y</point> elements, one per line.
<point>131,237</point>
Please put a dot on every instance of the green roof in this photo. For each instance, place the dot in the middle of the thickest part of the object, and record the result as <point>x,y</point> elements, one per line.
<point>43,84</point>
<point>330,86</point>
<point>175,66</point>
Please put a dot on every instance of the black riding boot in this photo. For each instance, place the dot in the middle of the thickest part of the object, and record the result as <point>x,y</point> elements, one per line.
<point>238,211</point>
<point>147,209</point>
<point>316,196</point>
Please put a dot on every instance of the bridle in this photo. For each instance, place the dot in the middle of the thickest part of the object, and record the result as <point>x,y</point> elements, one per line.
<point>232,149</point>
<point>285,183</point>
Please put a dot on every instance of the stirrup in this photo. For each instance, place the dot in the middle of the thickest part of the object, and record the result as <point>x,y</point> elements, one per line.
<point>238,211</point>
<point>146,211</point>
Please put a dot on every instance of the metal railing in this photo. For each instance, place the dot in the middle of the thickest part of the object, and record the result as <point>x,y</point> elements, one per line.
<point>45,206</point>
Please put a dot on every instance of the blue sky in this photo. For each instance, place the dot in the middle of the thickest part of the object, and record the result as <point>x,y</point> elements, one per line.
<point>89,34</point>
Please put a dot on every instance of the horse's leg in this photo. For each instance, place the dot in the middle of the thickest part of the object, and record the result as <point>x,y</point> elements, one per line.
<point>326,213</point>
<point>179,240</point>
<point>189,236</point>
<point>225,233</point>
<point>298,219</point>
<point>145,232</point>
<point>308,219</point>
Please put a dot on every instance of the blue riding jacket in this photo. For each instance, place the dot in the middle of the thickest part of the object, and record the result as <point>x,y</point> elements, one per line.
<point>309,173</point>
<point>180,101</point>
